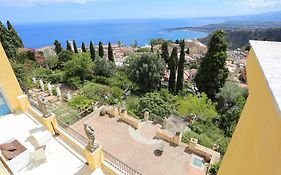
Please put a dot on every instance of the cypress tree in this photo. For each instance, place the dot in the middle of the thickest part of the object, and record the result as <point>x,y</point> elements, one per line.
<point>101,52</point>
<point>58,47</point>
<point>92,51</point>
<point>165,52</point>
<point>83,47</point>
<point>212,72</point>
<point>174,55</point>
<point>75,47</point>
<point>68,47</point>
<point>110,52</point>
<point>151,48</point>
<point>181,68</point>
<point>14,35</point>
<point>8,45</point>
<point>172,68</point>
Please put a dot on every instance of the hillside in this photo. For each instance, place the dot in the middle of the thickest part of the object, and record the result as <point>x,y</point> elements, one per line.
<point>240,38</point>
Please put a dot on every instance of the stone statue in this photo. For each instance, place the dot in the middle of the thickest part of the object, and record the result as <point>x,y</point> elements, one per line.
<point>90,132</point>
<point>42,103</point>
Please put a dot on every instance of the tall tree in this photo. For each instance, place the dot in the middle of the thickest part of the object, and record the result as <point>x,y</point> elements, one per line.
<point>5,39</point>
<point>83,47</point>
<point>101,52</point>
<point>92,51</point>
<point>146,70</point>
<point>174,55</point>
<point>110,53</point>
<point>58,47</point>
<point>75,47</point>
<point>14,35</point>
<point>212,72</point>
<point>151,48</point>
<point>165,52</point>
<point>173,69</point>
<point>68,46</point>
<point>181,68</point>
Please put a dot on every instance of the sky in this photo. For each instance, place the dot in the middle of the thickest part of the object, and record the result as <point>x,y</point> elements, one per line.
<point>22,11</point>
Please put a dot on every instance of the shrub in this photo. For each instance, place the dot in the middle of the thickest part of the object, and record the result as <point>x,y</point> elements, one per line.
<point>101,80</point>
<point>73,82</point>
<point>104,67</point>
<point>143,50</point>
<point>52,61</point>
<point>96,92</point>
<point>203,107</point>
<point>115,95</point>
<point>132,103</point>
<point>42,72</point>
<point>79,68</point>
<point>158,104</point>
<point>55,77</point>
<point>146,70</point>
<point>214,168</point>
<point>80,102</point>
<point>121,80</point>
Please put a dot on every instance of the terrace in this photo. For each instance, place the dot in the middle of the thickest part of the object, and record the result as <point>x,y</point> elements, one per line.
<point>60,157</point>
<point>137,147</point>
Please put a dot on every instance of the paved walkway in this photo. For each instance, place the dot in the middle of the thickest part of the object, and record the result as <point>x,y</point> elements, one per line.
<point>136,147</point>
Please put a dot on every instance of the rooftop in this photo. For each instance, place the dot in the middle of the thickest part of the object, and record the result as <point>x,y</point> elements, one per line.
<point>137,147</point>
<point>60,158</point>
<point>269,57</point>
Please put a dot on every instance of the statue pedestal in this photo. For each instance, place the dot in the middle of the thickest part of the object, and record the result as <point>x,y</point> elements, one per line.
<point>95,158</point>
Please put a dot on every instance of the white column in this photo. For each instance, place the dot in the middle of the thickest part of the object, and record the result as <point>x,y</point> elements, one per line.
<point>68,96</point>
<point>50,88</point>
<point>58,91</point>
<point>42,85</point>
<point>34,80</point>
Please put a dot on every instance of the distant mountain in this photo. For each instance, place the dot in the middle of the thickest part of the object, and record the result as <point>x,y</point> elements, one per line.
<point>269,16</point>
<point>240,38</point>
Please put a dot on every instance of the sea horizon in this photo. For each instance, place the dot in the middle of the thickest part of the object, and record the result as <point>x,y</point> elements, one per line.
<point>41,34</point>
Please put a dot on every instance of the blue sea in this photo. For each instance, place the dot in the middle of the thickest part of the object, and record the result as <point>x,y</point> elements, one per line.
<point>36,35</point>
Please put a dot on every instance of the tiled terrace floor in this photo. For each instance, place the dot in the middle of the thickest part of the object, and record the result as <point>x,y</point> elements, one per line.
<point>61,159</point>
<point>136,147</point>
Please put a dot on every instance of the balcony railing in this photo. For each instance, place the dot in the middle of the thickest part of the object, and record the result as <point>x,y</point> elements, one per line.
<point>119,165</point>
<point>77,136</point>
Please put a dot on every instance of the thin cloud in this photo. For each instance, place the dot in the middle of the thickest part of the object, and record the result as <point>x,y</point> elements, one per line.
<point>24,3</point>
<point>259,3</point>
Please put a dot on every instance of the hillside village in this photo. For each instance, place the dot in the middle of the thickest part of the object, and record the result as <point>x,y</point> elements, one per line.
<point>236,61</point>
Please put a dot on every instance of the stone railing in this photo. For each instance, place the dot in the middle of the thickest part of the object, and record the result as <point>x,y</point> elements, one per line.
<point>163,135</point>
<point>208,154</point>
<point>129,120</point>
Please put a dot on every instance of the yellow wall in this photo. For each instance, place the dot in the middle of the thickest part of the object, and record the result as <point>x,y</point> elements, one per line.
<point>8,82</point>
<point>255,148</point>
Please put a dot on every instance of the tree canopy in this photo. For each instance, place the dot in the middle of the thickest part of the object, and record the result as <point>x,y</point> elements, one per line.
<point>78,69</point>
<point>159,104</point>
<point>68,46</point>
<point>110,52</point>
<point>146,70</point>
<point>14,36</point>
<point>165,52</point>
<point>83,47</point>
<point>92,51</point>
<point>180,77</point>
<point>101,51</point>
<point>58,47</point>
<point>104,67</point>
<point>75,47</point>
<point>230,103</point>
<point>173,69</point>
<point>10,40</point>
<point>202,107</point>
<point>212,72</point>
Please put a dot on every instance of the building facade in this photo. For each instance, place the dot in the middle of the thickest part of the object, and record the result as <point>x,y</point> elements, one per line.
<point>255,147</point>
